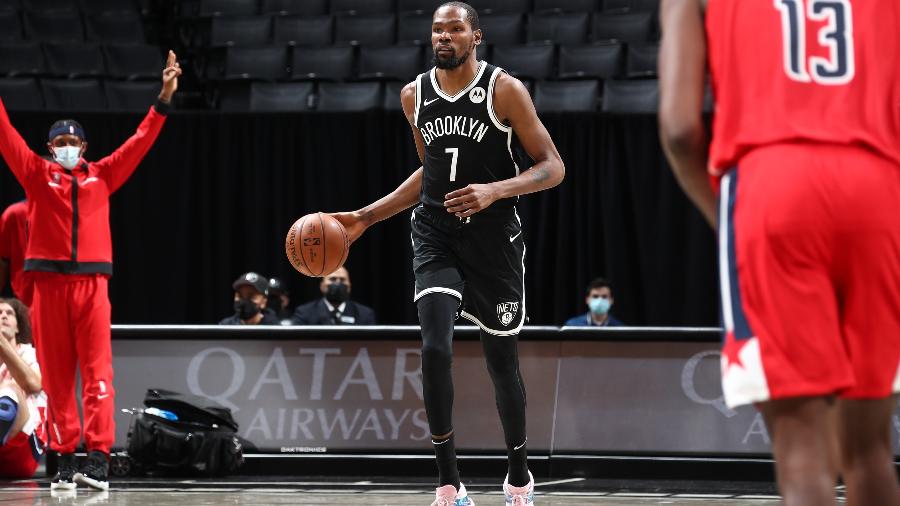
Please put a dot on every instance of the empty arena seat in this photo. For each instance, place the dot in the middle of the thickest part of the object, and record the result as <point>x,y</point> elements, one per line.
<point>51,5</point>
<point>355,7</point>
<point>131,95</point>
<point>642,60</point>
<point>566,5</point>
<point>92,7</point>
<point>295,7</point>
<point>22,59</point>
<point>10,26</point>
<point>54,26</point>
<point>349,96</point>
<point>120,27</point>
<point>417,6</point>
<point>74,60</point>
<point>371,30</point>
<point>644,5</point>
<point>401,63</point>
<point>568,28</point>
<point>10,5</point>
<point>414,28</point>
<point>73,95</point>
<point>594,61</point>
<point>274,97</point>
<point>530,62</point>
<point>21,94</point>
<point>634,97</point>
<point>322,63</point>
<point>632,5</point>
<point>256,63</point>
<point>504,29</point>
<point>559,96</point>
<point>392,96</point>
<point>625,27</point>
<point>493,6</point>
<point>240,31</point>
<point>303,31</point>
<point>133,61</point>
<point>227,7</point>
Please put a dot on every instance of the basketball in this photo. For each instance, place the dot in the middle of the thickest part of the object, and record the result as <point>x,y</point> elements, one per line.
<point>316,245</point>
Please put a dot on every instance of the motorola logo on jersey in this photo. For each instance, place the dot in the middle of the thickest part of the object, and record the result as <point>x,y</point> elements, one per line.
<point>477,95</point>
<point>453,125</point>
<point>506,312</point>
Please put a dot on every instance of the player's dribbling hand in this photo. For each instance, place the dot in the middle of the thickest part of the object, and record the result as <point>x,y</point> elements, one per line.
<point>170,78</point>
<point>469,200</point>
<point>353,224</point>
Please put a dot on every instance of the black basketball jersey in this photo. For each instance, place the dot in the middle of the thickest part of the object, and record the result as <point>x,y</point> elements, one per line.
<point>465,142</point>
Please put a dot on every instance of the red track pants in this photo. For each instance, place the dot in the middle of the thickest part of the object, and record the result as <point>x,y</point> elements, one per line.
<point>72,322</point>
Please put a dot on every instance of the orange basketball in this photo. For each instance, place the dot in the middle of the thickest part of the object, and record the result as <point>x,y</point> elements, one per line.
<point>317,245</point>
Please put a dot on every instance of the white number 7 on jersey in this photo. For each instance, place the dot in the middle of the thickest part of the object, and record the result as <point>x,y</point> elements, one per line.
<point>455,153</point>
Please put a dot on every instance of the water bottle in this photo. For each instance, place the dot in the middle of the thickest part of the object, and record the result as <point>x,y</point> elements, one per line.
<point>168,415</point>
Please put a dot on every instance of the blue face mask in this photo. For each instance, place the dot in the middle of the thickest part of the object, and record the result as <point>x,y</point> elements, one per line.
<point>599,305</point>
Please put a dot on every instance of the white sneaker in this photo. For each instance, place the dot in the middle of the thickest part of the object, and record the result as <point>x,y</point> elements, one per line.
<point>519,496</point>
<point>448,496</point>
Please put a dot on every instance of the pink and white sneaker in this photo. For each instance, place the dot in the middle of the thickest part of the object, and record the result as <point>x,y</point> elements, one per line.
<point>448,496</point>
<point>519,496</point>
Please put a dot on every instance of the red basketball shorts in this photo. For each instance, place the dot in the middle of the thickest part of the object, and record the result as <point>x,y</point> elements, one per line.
<point>17,458</point>
<point>809,268</point>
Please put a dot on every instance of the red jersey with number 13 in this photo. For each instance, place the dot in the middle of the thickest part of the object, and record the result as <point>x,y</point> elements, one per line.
<point>825,71</point>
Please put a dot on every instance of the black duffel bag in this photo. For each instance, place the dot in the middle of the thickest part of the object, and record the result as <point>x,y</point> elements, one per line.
<point>184,434</point>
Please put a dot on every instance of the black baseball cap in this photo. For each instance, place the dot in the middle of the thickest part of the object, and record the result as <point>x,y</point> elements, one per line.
<point>260,283</point>
<point>277,286</point>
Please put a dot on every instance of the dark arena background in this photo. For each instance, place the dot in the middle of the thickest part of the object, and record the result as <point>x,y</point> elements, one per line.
<point>288,107</point>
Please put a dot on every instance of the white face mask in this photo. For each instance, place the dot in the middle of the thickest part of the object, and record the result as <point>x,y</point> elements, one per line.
<point>67,156</point>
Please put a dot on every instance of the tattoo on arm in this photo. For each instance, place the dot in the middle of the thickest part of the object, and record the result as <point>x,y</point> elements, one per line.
<point>367,217</point>
<point>539,175</point>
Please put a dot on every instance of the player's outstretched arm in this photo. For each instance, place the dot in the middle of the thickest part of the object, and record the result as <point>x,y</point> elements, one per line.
<point>682,83</point>
<point>513,106</point>
<point>405,196</point>
<point>14,150</point>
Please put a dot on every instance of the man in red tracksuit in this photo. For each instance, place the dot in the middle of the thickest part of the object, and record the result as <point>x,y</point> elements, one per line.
<point>13,238</point>
<point>69,254</point>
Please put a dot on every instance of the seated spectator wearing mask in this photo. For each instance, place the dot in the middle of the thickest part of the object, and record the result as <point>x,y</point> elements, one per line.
<point>335,306</point>
<point>250,298</point>
<point>599,300</point>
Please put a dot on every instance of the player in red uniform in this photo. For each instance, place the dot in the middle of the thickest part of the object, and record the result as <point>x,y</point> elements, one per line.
<point>13,238</point>
<point>805,151</point>
<point>69,253</point>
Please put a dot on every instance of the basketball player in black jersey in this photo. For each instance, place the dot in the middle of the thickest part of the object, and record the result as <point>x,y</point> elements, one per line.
<point>467,237</point>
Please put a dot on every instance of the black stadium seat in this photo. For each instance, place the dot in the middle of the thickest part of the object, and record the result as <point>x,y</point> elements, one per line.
<point>21,94</point>
<point>624,27</point>
<point>566,96</point>
<point>642,60</point>
<point>322,63</point>
<point>10,5</point>
<point>594,61</point>
<point>53,26</point>
<point>73,95</point>
<point>392,96</point>
<point>274,97</point>
<point>22,59</point>
<point>417,6</point>
<point>566,5</point>
<point>240,31</point>
<point>414,28</point>
<point>256,63</point>
<point>400,63</point>
<point>92,7</point>
<point>131,95</point>
<point>303,31</point>
<point>10,26</point>
<point>349,96</point>
<point>295,7</point>
<point>118,27</point>
<point>134,61</point>
<point>571,28</point>
<point>70,6</point>
<point>615,5</point>
<point>75,60</point>
<point>227,7</point>
<point>529,62</point>
<point>504,29</point>
<point>494,6</point>
<point>374,30</point>
<point>631,97</point>
<point>355,7</point>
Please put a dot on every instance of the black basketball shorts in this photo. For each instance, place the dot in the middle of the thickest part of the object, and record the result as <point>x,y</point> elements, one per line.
<point>479,261</point>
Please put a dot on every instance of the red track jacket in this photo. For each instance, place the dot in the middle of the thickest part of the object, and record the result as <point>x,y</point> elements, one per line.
<point>69,214</point>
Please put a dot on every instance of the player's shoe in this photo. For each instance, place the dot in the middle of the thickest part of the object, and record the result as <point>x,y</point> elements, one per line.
<point>519,496</point>
<point>448,496</point>
<point>95,471</point>
<point>65,472</point>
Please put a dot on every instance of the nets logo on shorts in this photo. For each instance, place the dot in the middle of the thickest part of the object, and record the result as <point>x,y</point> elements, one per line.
<point>506,312</point>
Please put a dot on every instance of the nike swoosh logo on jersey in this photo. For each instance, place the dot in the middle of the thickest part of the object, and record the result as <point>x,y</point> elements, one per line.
<point>425,103</point>
<point>513,238</point>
